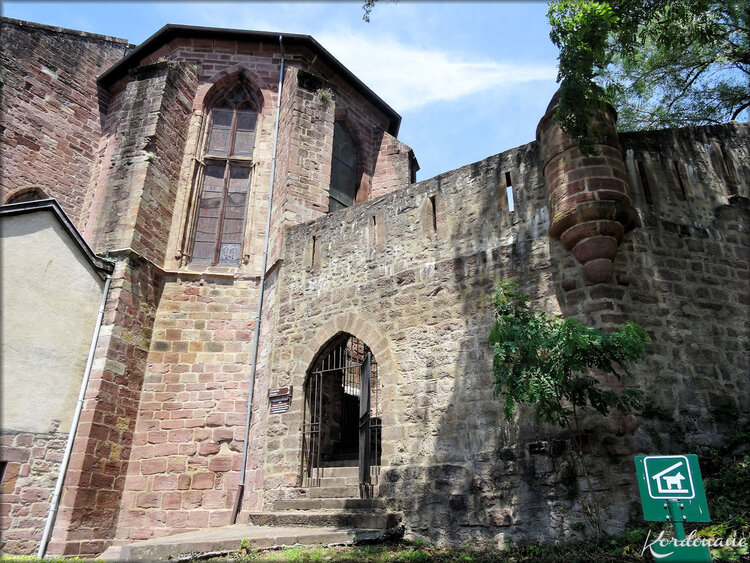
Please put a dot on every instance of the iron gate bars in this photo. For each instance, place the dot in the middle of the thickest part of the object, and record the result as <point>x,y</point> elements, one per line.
<point>342,413</point>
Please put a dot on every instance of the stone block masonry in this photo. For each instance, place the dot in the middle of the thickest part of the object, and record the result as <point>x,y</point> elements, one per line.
<point>147,131</point>
<point>411,274</point>
<point>50,111</point>
<point>31,464</point>
<point>188,437</point>
<point>409,270</point>
<point>95,480</point>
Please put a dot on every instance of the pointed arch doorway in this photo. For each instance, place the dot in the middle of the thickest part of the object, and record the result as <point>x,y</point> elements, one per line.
<point>342,424</point>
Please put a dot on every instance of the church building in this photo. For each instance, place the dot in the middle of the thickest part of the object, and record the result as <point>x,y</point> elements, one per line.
<point>219,235</point>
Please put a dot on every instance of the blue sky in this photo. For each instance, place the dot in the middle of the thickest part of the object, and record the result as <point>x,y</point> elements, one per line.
<point>470,79</point>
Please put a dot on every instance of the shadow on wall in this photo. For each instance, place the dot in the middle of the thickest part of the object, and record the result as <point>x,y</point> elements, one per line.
<point>461,473</point>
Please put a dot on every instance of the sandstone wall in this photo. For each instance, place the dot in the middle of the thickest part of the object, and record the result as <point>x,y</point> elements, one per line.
<point>305,136</point>
<point>95,480</point>
<point>187,442</point>
<point>32,463</point>
<point>411,274</point>
<point>51,110</point>
<point>186,455</point>
<point>148,125</point>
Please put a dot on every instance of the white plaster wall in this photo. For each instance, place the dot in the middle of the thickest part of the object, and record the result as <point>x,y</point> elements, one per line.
<point>50,299</point>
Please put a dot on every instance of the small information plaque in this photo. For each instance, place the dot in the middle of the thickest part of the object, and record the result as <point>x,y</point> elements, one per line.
<point>280,399</point>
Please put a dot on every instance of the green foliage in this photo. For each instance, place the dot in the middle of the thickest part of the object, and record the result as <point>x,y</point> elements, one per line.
<point>581,29</point>
<point>368,6</point>
<point>727,484</point>
<point>544,361</point>
<point>662,63</point>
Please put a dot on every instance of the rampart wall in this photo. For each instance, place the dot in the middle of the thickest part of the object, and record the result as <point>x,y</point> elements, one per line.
<point>411,274</point>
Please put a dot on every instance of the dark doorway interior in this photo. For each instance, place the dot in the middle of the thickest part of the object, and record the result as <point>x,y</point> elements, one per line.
<point>332,410</point>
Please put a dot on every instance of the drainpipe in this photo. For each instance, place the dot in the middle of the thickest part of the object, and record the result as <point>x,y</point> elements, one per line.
<point>74,426</point>
<point>256,334</point>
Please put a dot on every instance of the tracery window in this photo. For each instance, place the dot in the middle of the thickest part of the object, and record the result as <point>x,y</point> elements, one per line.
<point>228,160</point>
<point>344,182</point>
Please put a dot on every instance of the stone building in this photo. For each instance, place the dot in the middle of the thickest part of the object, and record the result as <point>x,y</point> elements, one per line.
<point>372,376</point>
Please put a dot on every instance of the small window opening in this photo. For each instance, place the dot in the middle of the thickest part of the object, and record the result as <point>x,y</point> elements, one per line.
<point>433,205</point>
<point>509,193</point>
<point>644,183</point>
<point>314,250</point>
<point>679,179</point>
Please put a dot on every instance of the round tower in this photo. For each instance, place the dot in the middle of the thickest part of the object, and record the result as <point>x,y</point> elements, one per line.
<point>590,209</point>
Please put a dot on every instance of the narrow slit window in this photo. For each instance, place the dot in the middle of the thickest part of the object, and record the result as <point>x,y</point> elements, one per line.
<point>644,183</point>
<point>509,193</point>
<point>433,206</point>
<point>680,183</point>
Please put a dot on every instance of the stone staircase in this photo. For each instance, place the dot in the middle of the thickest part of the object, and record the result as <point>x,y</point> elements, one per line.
<point>333,504</point>
<point>329,514</point>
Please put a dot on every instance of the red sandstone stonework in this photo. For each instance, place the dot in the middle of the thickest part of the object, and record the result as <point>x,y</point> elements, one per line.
<point>408,270</point>
<point>51,111</point>
<point>590,210</point>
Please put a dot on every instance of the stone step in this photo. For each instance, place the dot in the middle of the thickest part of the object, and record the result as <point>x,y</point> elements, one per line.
<point>361,519</point>
<point>351,491</point>
<point>339,481</point>
<point>227,539</point>
<point>329,504</point>
<point>339,471</point>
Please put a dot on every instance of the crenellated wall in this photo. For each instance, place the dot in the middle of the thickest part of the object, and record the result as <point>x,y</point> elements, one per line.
<point>653,228</point>
<point>411,274</point>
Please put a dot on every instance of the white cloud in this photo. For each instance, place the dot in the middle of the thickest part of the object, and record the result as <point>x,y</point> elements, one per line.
<point>408,77</point>
<point>385,54</point>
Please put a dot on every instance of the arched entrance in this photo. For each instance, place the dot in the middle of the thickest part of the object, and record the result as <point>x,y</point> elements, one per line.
<point>342,425</point>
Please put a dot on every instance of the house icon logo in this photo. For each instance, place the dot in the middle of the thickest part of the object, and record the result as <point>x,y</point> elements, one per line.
<point>669,477</point>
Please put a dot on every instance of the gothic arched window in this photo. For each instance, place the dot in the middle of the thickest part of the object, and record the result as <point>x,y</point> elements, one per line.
<point>344,184</point>
<point>228,159</point>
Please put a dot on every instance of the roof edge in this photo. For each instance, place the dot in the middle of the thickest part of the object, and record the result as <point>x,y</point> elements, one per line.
<point>173,31</point>
<point>66,31</point>
<point>102,266</point>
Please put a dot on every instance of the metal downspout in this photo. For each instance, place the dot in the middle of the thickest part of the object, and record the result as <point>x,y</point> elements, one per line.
<point>256,334</point>
<point>74,426</point>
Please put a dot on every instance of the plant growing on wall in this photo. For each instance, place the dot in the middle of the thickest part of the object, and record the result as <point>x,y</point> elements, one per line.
<point>324,96</point>
<point>545,361</point>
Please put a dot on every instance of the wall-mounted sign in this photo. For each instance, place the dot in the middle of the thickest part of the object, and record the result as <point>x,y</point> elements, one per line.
<point>280,399</point>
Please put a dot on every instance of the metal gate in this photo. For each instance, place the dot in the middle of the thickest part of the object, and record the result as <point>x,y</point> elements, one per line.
<point>342,424</point>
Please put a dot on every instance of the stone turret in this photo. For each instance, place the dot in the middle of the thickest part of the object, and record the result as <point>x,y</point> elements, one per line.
<point>590,209</point>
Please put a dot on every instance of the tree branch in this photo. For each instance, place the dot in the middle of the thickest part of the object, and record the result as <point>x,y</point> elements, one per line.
<point>740,109</point>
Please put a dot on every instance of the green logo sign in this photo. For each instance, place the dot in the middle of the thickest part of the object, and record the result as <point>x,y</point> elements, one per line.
<point>669,476</point>
<point>665,478</point>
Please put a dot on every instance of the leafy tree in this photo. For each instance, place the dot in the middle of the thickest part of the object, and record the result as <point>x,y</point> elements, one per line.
<point>368,6</point>
<point>661,63</point>
<point>545,361</point>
